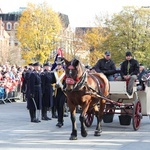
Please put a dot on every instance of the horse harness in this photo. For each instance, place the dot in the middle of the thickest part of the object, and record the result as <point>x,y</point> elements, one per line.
<point>99,91</point>
<point>82,82</point>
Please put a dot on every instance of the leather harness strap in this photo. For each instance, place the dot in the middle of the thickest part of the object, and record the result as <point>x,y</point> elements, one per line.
<point>94,77</point>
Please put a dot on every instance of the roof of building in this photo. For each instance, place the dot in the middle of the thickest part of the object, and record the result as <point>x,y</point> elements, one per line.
<point>15,17</point>
<point>10,17</point>
<point>64,19</point>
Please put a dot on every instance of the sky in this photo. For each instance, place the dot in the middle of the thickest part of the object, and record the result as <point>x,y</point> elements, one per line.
<point>81,13</point>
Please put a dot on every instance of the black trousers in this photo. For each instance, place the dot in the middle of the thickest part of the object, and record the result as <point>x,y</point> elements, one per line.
<point>60,101</point>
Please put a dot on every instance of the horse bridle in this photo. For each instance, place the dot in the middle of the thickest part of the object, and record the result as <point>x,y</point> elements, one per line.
<point>79,82</point>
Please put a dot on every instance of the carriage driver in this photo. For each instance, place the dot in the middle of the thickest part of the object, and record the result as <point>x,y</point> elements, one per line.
<point>106,66</point>
<point>129,71</point>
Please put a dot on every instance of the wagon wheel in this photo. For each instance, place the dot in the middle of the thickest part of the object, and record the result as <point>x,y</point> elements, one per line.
<point>137,115</point>
<point>89,117</point>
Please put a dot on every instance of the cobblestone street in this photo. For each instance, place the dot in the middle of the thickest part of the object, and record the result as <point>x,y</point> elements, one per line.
<point>17,132</point>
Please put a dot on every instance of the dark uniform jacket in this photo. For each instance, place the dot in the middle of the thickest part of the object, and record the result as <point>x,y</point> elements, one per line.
<point>35,91</point>
<point>27,82</point>
<point>133,70</point>
<point>105,66</point>
<point>24,83</point>
<point>47,89</point>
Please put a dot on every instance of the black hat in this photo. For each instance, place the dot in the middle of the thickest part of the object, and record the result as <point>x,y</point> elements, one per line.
<point>141,65</point>
<point>48,64</point>
<point>128,54</point>
<point>25,67</point>
<point>31,64</point>
<point>107,53</point>
<point>87,67</point>
<point>59,61</point>
<point>36,64</point>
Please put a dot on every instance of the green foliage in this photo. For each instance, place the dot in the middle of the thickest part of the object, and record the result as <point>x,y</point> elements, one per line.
<point>38,30</point>
<point>95,37</point>
<point>130,31</point>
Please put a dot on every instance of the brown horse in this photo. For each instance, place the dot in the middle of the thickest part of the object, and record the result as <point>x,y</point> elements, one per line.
<point>82,89</point>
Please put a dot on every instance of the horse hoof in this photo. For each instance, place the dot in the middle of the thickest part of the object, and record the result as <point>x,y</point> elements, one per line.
<point>97,133</point>
<point>73,138</point>
<point>84,134</point>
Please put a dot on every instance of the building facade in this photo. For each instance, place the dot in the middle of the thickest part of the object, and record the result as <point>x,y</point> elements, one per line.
<point>66,36</point>
<point>4,43</point>
<point>10,23</point>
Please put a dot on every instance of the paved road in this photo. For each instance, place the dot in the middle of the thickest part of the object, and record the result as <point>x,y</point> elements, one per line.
<point>17,132</point>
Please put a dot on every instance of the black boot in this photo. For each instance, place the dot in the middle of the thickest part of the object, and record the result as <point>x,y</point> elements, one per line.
<point>44,114</point>
<point>24,97</point>
<point>54,115</point>
<point>33,115</point>
<point>59,124</point>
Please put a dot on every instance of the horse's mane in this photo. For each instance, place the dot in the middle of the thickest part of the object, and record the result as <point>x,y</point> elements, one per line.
<point>76,62</point>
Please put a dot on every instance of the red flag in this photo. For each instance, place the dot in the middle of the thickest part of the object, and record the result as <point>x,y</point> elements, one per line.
<point>60,52</point>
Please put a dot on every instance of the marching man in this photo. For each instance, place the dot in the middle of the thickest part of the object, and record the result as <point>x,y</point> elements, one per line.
<point>59,74</point>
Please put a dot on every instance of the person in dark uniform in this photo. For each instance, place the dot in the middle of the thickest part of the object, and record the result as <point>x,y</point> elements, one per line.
<point>35,97</point>
<point>47,90</point>
<point>59,74</point>
<point>26,82</point>
<point>54,111</point>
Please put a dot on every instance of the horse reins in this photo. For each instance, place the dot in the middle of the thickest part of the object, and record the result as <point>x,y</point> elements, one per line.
<point>98,84</point>
<point>81,82</point>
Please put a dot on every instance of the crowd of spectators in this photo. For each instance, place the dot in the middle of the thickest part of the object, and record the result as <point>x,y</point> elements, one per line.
<point>10,78</point>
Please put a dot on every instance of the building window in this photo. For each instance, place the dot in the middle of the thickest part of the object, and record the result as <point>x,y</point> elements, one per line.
<point>9,26</point>
<point>15,26</point>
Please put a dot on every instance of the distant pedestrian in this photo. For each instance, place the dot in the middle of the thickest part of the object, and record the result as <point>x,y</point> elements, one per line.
<point>24,83</point>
